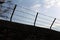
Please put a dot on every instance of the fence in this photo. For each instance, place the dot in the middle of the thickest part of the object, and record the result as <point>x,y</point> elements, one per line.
<point>30,17</point>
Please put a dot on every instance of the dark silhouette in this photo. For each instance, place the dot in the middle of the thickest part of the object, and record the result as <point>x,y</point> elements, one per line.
<point>2,1</point>
<point>16,31</point>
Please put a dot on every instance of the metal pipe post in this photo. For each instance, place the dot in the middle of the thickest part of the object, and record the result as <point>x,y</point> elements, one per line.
<point>35,19</point>
<point>13,12</point>
<point>52,23</point>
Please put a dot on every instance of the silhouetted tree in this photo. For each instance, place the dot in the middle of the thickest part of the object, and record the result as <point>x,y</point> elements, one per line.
<point>6,9</point>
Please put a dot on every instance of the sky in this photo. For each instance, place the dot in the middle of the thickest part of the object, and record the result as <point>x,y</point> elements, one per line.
<point>27,9</point>
<point>48,7</point>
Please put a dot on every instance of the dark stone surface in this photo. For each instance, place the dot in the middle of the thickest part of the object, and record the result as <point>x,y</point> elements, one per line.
<point>15,31</point>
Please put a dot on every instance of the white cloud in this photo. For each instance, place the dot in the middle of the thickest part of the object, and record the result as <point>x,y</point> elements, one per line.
<point>50,3</point>
<point>57,4</point>
<point>36,7</point>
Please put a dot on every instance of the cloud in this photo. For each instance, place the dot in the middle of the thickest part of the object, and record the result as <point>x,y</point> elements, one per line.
<point>36,7</point>
<point>57,4</point>
<point>51,3</point>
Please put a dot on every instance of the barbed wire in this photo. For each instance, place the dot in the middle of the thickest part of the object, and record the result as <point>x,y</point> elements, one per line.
<point>29,9</point>
<point>43,22</point>
<point>33,19</point>
<point>46,15</point>
<point>44,19</point>
<point>22,20</point>
<point>28,18</point>
<point>33,15</point>
<point>34,11</point>
<point>25,12</point>
<point>24,17</point>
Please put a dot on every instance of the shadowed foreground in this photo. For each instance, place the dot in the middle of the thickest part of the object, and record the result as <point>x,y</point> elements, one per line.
<point>16,31</point>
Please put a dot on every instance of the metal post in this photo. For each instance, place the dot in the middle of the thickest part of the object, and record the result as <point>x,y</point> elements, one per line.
<point>52,23</point>
<point>13,12</point>
<point>35,19</point>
